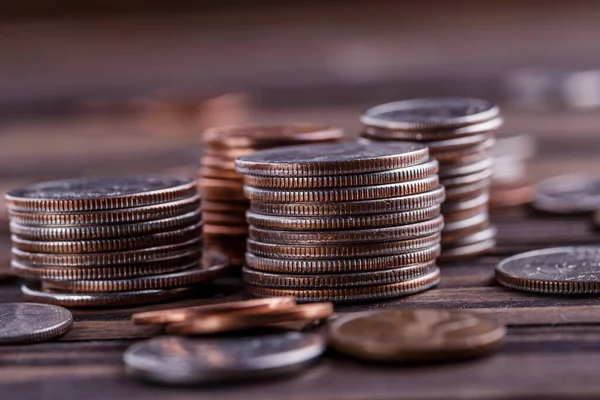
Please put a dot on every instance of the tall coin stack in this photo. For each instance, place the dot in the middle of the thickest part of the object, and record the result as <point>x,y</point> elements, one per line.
<point>342,221</point>
<point>223,203</point>
<point>95,242</point>
<point>459,133</point>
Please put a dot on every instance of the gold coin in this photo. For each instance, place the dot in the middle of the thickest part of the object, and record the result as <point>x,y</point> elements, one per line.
<point>414,335</point>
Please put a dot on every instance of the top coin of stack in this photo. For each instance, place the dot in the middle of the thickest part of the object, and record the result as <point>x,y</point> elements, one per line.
<point>459,133</point>
<point>342,221</point>
<point>107,242</point>
<point>224,205</point>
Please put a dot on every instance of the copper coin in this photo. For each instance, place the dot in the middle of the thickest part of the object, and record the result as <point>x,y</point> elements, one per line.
<point>222,190</point>
<point>359,293</point>
<point>224,230</point>
<point>218,323</point>
<point>509,194</point>
<point>215,218</point>
<point>220,173</point>
<point>230,152</point>
<point>414,335</point>
<point>461,252</point>
<point>217,162</point>
<point>459,193</point>
<point>235,207</point>
<point>174,315</point>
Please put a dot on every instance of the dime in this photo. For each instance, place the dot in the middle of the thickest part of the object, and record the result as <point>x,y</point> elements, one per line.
<point>322,266</point>
<point>419,284</point>
<point>341,222</point>
<point>509,194</point>
<point>393,233</point>
<point>457,169</point>
<point>332,159</point>
<point>466,251</point>
<point>116,299</point>
<point>179,360</point>
<point>412,173</point>
<point>414,335</point>
<point>381,277</point>
<point>182,314</point>
<point>217,323</point>
<point>343,194</point>
<point>30,323</point>
<point>429,136</point>
<point>568,194</point>
<point>326,250</point>
<point>393,204</point>
<point>92,194</point>
<point>561,270</point>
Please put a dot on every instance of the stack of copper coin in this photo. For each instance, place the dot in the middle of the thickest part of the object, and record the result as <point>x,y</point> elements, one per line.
<point>459,133</point>
<point>342,221</point>
<point>224,205</point>
<point>108,242</point>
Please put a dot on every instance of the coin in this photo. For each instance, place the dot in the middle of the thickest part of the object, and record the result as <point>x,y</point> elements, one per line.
<point>416,285</point>
<point>370,278</point>
<point>87,194</point>
<point>466,223</point>
<point>376,133</point>
<point>224,230</point>
<point>326,250</point>
<point>217,162</point>
<point>217,323</point>
<point>459,142</point>
<point>509,194</point>
<point>180,360</point>
<point>182,314</point>
<point>30,322</point>
<point>568,194</point>
<point>467,191</point>
<point>466,204</point>
<point>460,252</point>
<point>452,156</point>
<point>561,270</point>
<point>332,159</point>
<point>480,236</point>
<point>221,173</point>
<point>393,233</point>
<point>414,335</point>
<point>217,218</point>
<point>467,179</point>
<point>414,172</point>
<point>393,204</point>
<point>457,169</point>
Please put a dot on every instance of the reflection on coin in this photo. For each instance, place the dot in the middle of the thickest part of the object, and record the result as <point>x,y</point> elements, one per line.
<point>31,322</point>
<point>561,270</point>
<point>414,335</point>
<point>568,194</point>
<point>179,360</point>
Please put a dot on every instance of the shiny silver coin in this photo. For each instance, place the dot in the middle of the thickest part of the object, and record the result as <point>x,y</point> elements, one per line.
<point>568,194</point>
<point>458,169</point>
<point>30,322</point>
<point>179,360</point>
<point>377,133</point>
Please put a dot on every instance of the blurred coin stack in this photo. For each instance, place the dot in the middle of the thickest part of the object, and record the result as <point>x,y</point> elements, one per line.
<point>459,133</point>
<point>342,221</point>
<point>108,242</point>
<point>224,205</point>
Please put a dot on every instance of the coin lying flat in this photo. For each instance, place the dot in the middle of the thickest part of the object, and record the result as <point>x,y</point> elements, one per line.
<point>568,194</point>
<point>469,191</point>
<point>100,193</point>
<point>561,270</point>
<point>414,335</point>
<point>460,252</point>
<point>180,360</point>
<point>22,323</point>
<point>332,159</point>
<point>377,133</point>
<point>457,169</point>
<point>445,156</point>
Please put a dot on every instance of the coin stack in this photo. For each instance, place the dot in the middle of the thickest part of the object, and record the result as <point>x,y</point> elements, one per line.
<point>108,242</point>
<point>223,203</point>
<point>342,221</point>
<point>459,133</point>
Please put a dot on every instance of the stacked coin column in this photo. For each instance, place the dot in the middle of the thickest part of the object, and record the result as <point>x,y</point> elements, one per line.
<point>342,222</point>
<point>459,133</point>
<point>224,205</point>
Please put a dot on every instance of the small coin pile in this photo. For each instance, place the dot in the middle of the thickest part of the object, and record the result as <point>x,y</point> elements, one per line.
<point>223,203</point>
<point>342,221</point>
<point>108,242</point>
<point>459,133</point>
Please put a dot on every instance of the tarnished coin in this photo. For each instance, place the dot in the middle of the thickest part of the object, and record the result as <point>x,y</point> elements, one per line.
<point>401,232</point>
<point>385,134</point>
<point>390,205</point>
<point>324,266</point>
<point>561,270</point>
<point>412,173</point>
<point>416,285</point>
<point>568,194</point>
<point>341,222</point>
<point>460,252</point>
<point>332,159</point>
<point>22,323</point>
<point>178,360</point>
<point>414,335</point>
<point>92,194</point>
<point>343,194</point>
<point>304,281</point>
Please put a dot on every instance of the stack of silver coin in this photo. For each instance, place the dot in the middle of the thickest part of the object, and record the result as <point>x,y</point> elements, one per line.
<point>108,242</point>
<point>342,222</point>
<point>459,133</point>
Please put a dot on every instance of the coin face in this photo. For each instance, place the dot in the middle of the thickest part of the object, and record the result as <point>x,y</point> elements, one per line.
<point>31,322</point>
<point>561,270</point>
<point>414,335</point>
<point>180,360</point>
<point>568,194</point>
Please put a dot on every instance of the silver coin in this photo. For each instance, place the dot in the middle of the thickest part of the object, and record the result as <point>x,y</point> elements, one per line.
<point>568,194</point>
<point>458,169</point>
<point>180,360</point>
<point>32,322</point>
<point>428,136</point>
